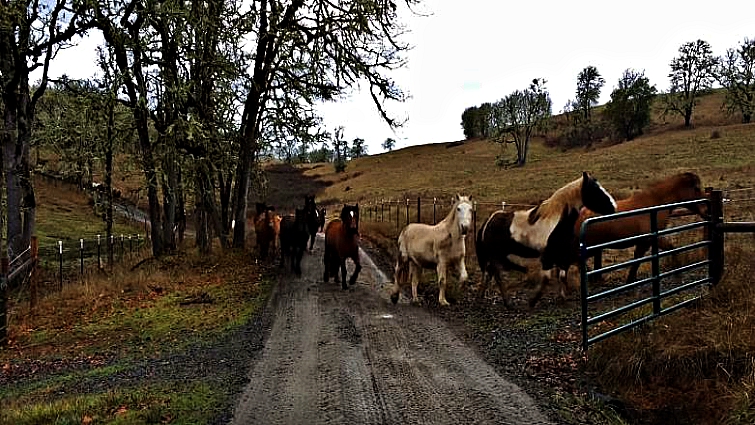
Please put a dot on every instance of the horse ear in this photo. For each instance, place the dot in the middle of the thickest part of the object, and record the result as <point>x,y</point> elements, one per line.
<point>457,197</point>
<point>585,175</point>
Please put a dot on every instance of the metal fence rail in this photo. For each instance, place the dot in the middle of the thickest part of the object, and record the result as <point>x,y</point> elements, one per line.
<point>658,294</point>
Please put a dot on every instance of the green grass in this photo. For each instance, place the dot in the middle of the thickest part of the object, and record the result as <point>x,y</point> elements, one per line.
<point>40,388</point>
<point>190,403</point>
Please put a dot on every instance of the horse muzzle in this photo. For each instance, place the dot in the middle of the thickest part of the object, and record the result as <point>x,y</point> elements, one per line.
<point>464,230</point>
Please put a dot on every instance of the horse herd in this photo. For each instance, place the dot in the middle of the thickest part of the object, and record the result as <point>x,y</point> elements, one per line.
<point>547,232</point>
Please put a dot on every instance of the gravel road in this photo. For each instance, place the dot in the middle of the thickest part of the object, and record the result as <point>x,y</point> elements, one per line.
<point>335,356</point>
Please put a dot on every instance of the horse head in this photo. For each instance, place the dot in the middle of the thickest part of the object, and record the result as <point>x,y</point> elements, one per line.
<point>270,216</point>
<point>688,188</point>
<point>463,207</point>
<point>595,197</point>
<point>261,207</point>
<point>350,218</point>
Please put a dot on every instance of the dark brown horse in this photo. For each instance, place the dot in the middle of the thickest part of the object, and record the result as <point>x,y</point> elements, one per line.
<point>677,188</point>
<point>342,242</point>
<point>313,219</point>
<point>293,239</point>
<point>264,228</point>
<point>322,220</point>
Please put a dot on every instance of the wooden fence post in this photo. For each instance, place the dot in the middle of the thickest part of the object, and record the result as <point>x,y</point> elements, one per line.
<point>407,211</point>
<point>419,206</point>
<point>474,220</point>
<point>435,200</point>
<point>716,249</point>
<point>33,282</point>
<point>4,301</point>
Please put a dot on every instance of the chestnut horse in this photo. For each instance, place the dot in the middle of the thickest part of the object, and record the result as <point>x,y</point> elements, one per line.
<point>545,231</point>
<point>264,229</point>
<point>342,242</point>
<point>676,188</point>
<point>434,247</point>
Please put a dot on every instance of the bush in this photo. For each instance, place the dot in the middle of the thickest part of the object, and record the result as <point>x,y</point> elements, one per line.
<point>340,166</point>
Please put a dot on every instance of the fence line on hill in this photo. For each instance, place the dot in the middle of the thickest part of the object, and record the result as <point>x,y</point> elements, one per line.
<point>405,210</point>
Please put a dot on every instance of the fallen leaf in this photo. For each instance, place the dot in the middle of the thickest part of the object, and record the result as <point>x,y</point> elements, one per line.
<point>121,410</point>
<point>86,420</point>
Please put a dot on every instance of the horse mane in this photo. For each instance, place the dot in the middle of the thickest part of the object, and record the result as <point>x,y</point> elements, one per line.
<point>554,206</point>
<point>667,184</point>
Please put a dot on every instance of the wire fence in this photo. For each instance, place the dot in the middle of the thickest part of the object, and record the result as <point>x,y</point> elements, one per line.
<point>396,214</point>
<point>60,263</point>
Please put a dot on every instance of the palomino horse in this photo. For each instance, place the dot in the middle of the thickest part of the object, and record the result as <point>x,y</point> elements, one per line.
<point>264,229</point>
<point>440,246</point>
<point>545,231</point>
<point>677,188</point>
<point>293,239</point>
<point>313,219</point>
<point>342,242</point>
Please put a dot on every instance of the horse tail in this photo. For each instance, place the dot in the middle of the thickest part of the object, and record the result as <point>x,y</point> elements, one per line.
<point>479,246</point>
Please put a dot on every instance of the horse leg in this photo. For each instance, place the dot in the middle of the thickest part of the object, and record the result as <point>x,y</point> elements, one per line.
<point>357,268</point>
<point>326,264</point>
<point>441,269</point>
<point>414,273</point>
<point>396,291</point>
<point>496,269</point>
<point>299,254</point>
<point>463,275</point>
<point>639,252</point>
<point>544,280</point>
<point>343,273</point>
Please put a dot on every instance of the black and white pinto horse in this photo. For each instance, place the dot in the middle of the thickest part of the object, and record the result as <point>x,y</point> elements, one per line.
<point>545,231</point>
<point>312,218</point>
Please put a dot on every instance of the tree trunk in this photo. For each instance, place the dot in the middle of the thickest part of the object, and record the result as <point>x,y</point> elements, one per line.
<point>109,173</point>
<point>746,117</point>
<point>180,206</point>
<point>169,183</point>
<point>150,174</point>
<point>225,201</point>
<point>687,117</point>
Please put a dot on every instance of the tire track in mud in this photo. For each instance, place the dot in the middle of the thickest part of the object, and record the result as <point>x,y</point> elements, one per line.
<point>351,357</point>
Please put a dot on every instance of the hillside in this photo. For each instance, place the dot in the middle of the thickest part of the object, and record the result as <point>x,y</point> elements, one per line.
<point>434,170</point>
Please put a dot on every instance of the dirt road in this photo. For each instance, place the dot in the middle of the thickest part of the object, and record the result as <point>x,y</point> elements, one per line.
<point>352,357</point>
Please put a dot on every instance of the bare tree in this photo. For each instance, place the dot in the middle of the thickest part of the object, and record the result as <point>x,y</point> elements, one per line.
<point>315,50</point>
<point>736,72</point>
<point>691,75</point>
<point>519,114</point>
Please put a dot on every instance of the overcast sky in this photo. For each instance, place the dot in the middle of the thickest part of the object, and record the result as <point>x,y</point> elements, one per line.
<point>474,51</point>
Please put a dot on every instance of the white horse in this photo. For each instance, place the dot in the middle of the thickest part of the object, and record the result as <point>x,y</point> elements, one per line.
<point>441,246</point>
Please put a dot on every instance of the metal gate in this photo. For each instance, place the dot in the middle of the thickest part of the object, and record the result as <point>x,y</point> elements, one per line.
<point>663,298</point>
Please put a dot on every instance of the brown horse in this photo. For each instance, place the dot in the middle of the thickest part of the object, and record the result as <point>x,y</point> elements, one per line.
<point>677,188</point>
<point>264,229</point>
<point>342,242</point>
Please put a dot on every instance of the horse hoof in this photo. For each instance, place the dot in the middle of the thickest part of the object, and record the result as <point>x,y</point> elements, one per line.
<point>444,303</point>
<point>344,287</point>
<point>394,298</point>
